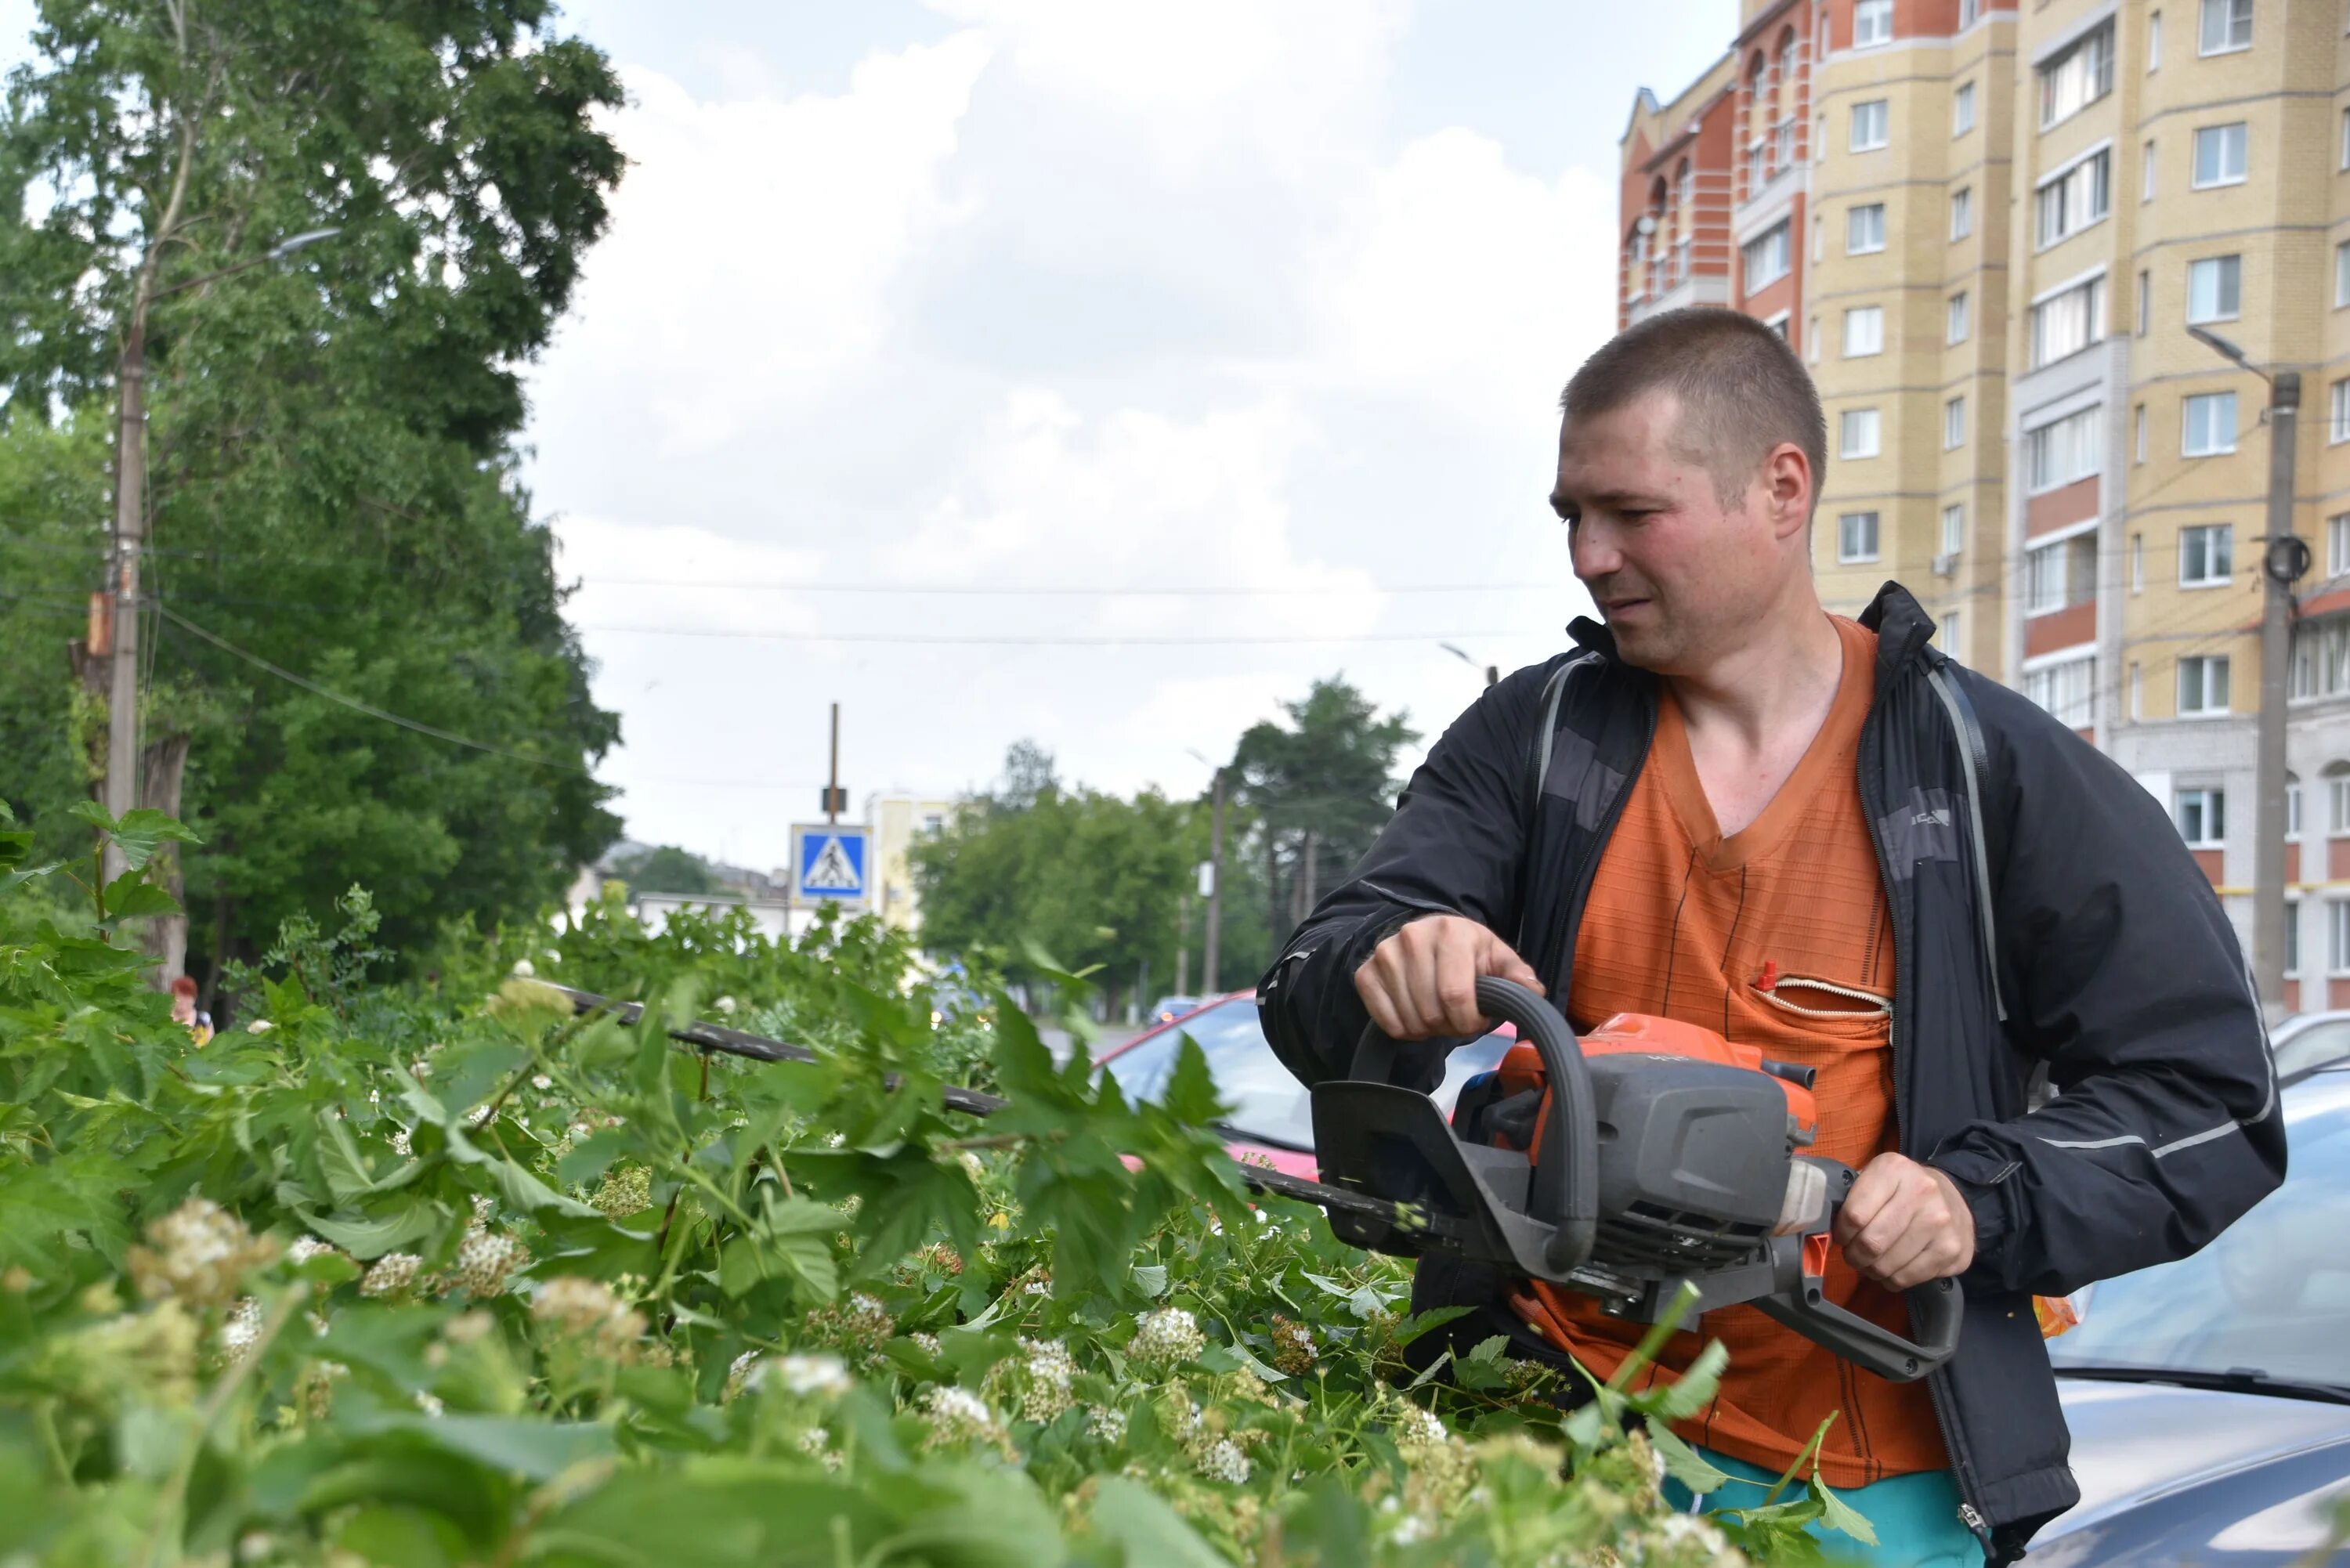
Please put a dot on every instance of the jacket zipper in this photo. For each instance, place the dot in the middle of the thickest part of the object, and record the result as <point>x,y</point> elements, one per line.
<point>1905,1001</point>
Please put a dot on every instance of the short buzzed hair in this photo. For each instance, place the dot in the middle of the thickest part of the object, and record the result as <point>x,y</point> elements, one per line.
<point>1742,390</point>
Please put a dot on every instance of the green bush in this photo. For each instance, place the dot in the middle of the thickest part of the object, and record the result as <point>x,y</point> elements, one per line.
<point>453,1276</point>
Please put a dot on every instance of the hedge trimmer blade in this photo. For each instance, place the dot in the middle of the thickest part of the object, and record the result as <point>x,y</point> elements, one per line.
<point>1330,1199</point>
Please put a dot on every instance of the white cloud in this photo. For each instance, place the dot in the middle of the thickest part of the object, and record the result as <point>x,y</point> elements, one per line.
<point>753,241</point>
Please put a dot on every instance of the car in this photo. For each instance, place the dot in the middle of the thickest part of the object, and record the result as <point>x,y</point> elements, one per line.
<point>2308,1041</point>
<point>2210,1398</point>
<point>1272,1119</point>
<point>1167,1009</point>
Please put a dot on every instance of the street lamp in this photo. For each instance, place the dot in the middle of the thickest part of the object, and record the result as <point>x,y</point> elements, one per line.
<point>130,524</point>
<point>1492,671</point>
<point>2284,558</point>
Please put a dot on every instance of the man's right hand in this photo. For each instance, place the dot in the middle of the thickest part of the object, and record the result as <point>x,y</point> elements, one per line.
<point>1422,981</point>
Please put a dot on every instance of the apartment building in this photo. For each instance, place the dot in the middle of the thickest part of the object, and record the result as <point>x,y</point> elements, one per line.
<point>2005,219</point>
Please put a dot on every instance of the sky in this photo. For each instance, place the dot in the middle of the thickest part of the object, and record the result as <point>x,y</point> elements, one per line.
<point>941,354</point>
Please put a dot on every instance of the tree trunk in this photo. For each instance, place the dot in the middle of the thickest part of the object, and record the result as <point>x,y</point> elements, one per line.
<point>165,936</point>
<point>1313,889</point>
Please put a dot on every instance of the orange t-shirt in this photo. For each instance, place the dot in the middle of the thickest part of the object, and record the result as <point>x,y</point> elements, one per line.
<point>1778,937</point>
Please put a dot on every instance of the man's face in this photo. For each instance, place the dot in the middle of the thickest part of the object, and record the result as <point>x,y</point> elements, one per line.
<point>1681,578</point>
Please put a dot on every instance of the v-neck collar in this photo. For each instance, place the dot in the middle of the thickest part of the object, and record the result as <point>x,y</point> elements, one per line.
<point>1839,733</point>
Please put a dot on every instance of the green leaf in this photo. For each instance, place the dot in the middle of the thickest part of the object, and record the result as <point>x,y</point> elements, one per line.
<point>1151,1533</point>
<point>1190,1095</point>
<point>347,1176</point>
<point>366,1239</point>
<point>1151,1279</point>
<point>1838,1514</point>
<point>1691,1392</point>
<point>1684,1463</point>
<point>130,897</point>
<point>535,1450</point>
<point>139,833</point>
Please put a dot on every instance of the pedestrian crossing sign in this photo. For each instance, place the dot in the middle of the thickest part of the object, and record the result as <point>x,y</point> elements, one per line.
<point>828,862</point>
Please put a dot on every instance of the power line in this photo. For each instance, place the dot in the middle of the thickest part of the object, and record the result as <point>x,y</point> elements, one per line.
<point>353,703</point>
<point>1486,633</point>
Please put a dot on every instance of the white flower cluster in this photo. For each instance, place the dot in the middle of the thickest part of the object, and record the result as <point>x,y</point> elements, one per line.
<point>390,1274</point>
<point>199,1252</point>
<point>306,1248</point>
<point>821,1377</point>
<point>1419,1429</point>
<point>742,1373</point>
<point>1104,1425</point>
<point>485,1259</point>
<point>1050,1370</point>
<point>1167,1336</point>
<point>960,1417</point>
<point>929,1343</point>
<point>241,1329</point>
<point>586,1311</point>
<point>1222,1460</point>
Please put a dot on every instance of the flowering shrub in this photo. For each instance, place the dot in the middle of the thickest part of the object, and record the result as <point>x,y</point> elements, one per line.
<point>416,1279</point>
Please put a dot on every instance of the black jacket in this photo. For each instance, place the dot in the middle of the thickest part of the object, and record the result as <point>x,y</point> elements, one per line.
<point>2047,920</point>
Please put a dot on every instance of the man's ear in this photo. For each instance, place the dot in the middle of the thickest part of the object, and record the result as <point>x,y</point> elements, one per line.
<point>1787,485</point>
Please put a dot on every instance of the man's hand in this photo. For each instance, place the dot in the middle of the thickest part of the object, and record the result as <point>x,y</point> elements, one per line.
<point>1905,1223</point>
<point>1422,981</point>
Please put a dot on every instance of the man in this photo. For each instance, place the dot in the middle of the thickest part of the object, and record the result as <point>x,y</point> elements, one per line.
<point>1823,837</point>
<point>184,1012</point>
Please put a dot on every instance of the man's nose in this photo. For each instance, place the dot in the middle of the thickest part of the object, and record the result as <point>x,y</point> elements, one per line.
<point>1593,548</point>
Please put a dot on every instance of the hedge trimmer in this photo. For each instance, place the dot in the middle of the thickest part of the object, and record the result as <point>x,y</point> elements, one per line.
<point>1651,1159</point>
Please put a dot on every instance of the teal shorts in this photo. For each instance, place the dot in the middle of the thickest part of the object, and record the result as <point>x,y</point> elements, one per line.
<point>1915,1516</point>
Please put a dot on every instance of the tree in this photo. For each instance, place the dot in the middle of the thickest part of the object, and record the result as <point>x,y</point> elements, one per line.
<point>1321,788</point>
<point>1094,879</point>
<point>667,869</point>
<point>332,458</point>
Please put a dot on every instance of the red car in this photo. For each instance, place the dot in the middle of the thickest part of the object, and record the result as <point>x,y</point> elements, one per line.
<point>1272,1113</point>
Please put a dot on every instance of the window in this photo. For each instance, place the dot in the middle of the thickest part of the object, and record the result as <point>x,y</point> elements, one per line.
<point>1872,23</point>
<point>2078,77</point>
<point>1871,125</point>
<point>2068,691</point>
<point>1767,258</point>
<point>2146,173</point>
<point>2343,159</point>
<point>1952,644</point>
<point>2337,427</point>
<point>2337,933</point>
<point>1954,529</point>
<point>2153,41</point>
<point>2319,667</point>
<point>2065,323</point>
<point>2292,924</point>
<point>2138,563</point>
<point>2340,275</point>
<point>2059,575</point>
<point>1968,11</point>
<point>1864,230</point>
<point>1856,536</point>
<point>1779,323</point>
<point>1954,326</point>
<point>1812,339</point>
<point>1863,331</point>
<point>2207,554</point>
<point>2293,810</point>
<point>1857,433</point>
<point>2145,302</point>
<point>2062,451</point>
<point>2136,691</point>
<point>2337,545</point>
<point>2220,155</point>
<point>2214,288</point>
<point>2072,201</point>
<point>2138,436</point>
<point>2337,793</point>
<point>2204,817</point>
<point>1954,424</point>
<point>2227,25</point>
<point>2210,424</point>
<point>1962,110</point>
<point>2203,684</point>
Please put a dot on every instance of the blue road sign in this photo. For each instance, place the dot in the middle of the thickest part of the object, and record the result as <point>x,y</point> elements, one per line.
<point>829,861</point>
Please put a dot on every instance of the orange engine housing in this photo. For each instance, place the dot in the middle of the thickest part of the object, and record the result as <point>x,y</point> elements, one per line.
<point>1645,1034</point>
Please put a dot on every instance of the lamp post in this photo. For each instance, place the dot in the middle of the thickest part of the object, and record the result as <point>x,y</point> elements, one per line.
<point>130,526</point>
<point>1212,888</point>
<point>2284,558</point>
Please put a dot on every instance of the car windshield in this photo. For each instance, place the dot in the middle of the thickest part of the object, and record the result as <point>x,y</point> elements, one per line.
<point>2269,1296</point>
<point>1268,1105</point>
<point>2307,1044</point>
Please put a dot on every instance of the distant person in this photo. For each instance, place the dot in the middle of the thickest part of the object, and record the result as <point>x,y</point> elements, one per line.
<point>1823,837</point>
<point>184,1012</point>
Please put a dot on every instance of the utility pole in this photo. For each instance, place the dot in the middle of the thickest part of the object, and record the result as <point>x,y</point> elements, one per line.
<point>1214,890</point>
<point>130,544</point>
<point>832,787</point>
<point>2284,558</point>
<point>1183,942</point>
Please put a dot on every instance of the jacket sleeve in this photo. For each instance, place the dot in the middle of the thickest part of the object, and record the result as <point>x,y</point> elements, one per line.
<point>2123,974</point>
<point>1454,847</point>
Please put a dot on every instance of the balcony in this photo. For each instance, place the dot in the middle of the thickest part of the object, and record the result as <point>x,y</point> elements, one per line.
<point>1701,288</point>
